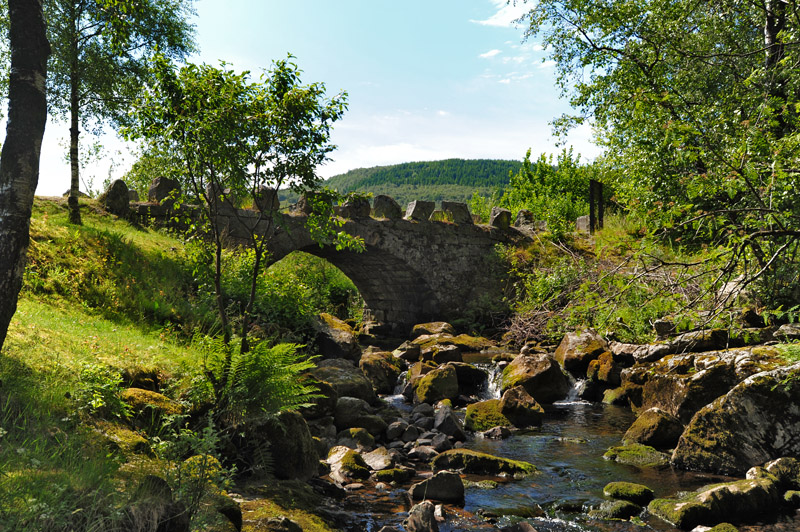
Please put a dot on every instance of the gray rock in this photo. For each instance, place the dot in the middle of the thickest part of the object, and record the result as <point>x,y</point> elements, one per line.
<point>441,443</point>
<point>582,224</point>
<point>446,422</point>
<point>386,207</point>
<point>379,459</point>
<point>445,486</point>
<point>266,199</point>
<point>459,212</point>
<point>348,410</point>
<point>500,218</point>
<point>396,429</point>
<point>345,378</point>
<point>163,191</point>
<point>116,199</point>
<point>133,196</point>
<point>335,338</point>
<point>420,210</point>
<point>421,518</point>
<point>423,453</point>
<point>355,208</point>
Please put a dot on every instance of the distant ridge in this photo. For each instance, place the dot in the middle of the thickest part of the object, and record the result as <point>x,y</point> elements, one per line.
<point>449,179</point>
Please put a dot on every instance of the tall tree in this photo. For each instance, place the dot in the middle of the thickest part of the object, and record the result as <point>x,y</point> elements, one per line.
<point>101,55</point>
<point>19,161</point>
<point>697,105</point>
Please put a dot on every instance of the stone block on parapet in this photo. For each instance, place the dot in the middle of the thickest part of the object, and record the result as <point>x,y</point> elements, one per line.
<point>458,212</point>
<point>355,208</point>
<point>386,207</point>
<point>526,220</point>
<point>420,210</point>
<point>582,224</point>
<point>500,218</point>
<point>163,190</point>
<point>438,215</point>
<point>266,199</point>
<point>116,199</point>
<point>305,205</point>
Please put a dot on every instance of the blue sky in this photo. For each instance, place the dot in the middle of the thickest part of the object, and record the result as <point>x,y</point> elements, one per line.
<point>426,79</point>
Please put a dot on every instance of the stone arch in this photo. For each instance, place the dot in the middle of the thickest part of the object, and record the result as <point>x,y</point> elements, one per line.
<point>394,293</point>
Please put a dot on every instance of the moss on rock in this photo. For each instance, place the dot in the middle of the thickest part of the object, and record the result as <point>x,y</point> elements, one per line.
<point>628,491</point>
<point>441,383</point>
<point>637,455</point>
<point>616,510</point>
<point>398,474</point>
<point>477,463</point>
<point>485,415</point>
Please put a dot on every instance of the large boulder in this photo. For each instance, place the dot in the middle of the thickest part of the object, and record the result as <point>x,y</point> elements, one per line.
<point>539,374</point>
<point>444,486</point>
<point>446,422</point>
<point>421,518</point>
<point>477,463</point>
<point>655,428</point>
<point>335,338</point>
<point>742,500</point>
<point>519,407</point>
<point>578,348</point>
<point>756,421</point>
<point>347,465</point>
<point>381,369</point>
<point>116,199</point>
<point>287,442</point>
<point>637,455</point>
<point>440,383</point>
<point>345,378</point>
<point>431,328</point>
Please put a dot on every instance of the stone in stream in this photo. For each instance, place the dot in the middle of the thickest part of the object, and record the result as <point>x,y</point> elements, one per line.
<point>519,407</point>
<point>628,491</point>
<point>431,328</point>
<point>444,486</point>
<point>441,383</point>
<point>616,510</point>
<point>577,349</point>
<point>655,428</point>
<point>421,518</point>
<point>446,422</point>
<point>335,338</point>
<point>477,463</point>
<point>381,369</point>
<point>347,464</point>
<point>485,415</point>
<point>539,374</point>
<point>637,455</point>
<point>345,378</point>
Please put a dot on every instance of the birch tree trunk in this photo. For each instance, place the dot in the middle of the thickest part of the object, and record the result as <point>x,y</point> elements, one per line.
<point>19,160</point>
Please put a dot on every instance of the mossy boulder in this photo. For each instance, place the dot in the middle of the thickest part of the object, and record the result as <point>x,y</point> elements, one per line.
<point>786,470</point>
<point>382,370</point>
<point>441,383</point>
<point>756,421</point>
<point>724,527</point>
<point>345,378</point>
<point>477,463</point>
<point>518,406</point>
<point>616,510</point>
<point>629,491</point>
<point>737,501</point>
<point>465,342</point>
<point>539,374</point>
<point>121,439</point>
<point>485,415</point>
<point>655,428</point>
<point>347,464</point>
<point>444,486</point>
<point>579,348</point>
<point>637,455</point>
<point>356,438</point>
<point>397,474</point>
<point>335,338</point>
<point>605,370</point>
<point>283,443</point>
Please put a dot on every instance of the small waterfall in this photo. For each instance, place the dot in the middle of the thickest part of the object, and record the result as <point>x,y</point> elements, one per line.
<point>575,392</point>
<point>491,389</point>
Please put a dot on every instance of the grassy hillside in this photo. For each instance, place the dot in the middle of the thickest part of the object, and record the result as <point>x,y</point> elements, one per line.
<point>451,179</point>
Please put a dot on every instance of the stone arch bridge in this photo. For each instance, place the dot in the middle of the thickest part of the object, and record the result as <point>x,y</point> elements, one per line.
<point>413,269</point>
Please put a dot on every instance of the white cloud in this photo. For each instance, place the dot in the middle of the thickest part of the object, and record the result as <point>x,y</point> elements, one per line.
<point>547,64</point>
<point>506,14</point>
<point>442,113</point>
<point>505,81</point>
<point>490,53</point>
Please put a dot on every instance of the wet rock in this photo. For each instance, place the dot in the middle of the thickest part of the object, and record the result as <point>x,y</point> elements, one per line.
<point>616,510</point>
<point>756,421</point>
<point>446,422</point>
<point>519,407</point>
<point>477,463</point>
<point>397,474</point>
<point>522,526</point>
<point>441,383</point>
<point>637,455</point>
<point>396,429</point>
<point>345,378</point>
<point>444,486</point>
<point>497,433</point>
<point>628,491</point>
<point>355,438</point>
<point>379,459</point>
<point>335,338</point>
<point>539,374</point>
<point>381,370</point>
<point>579,348</point>
<point>485,415</point>
<point>655,428</point>
<point>732,502</point>
<point>441,443</point>
<point>605,370</point>
<point>421,518</point>
<point>423,453</point>
<point>386,207</point>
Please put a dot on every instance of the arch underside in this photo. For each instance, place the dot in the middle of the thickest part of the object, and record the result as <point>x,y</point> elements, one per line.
<point>394,293</point>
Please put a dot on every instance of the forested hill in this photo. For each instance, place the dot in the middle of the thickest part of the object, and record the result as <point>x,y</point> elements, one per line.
<point>450,179</point>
